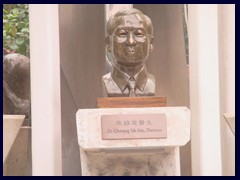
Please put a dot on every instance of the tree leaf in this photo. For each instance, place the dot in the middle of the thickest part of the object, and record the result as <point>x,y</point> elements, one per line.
<point>22,15</point>
<point>19,41</point>
<point>15,11</point>
<point>6,25</point>
<point>13,46</point>
<point>16,27</point>
<point>13,31</point>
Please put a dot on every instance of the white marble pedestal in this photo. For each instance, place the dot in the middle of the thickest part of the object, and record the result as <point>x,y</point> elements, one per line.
<point>136,157</point>
<point>11,127</point>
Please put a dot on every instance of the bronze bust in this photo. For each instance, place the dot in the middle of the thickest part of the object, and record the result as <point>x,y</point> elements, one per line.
<point>130,41</point>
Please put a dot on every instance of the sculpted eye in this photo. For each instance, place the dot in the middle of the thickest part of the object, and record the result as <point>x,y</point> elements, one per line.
<point>122,34</point>
<point>139,33</point>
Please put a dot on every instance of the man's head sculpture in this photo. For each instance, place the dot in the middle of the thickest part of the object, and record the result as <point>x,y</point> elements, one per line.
<point>16,85</point>
<point>129,41</point>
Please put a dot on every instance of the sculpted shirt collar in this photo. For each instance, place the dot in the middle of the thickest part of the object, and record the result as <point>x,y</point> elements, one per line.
<point>122,78</point>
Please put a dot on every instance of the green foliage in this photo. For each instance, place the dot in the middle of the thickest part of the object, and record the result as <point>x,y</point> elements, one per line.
<point>16,28</point>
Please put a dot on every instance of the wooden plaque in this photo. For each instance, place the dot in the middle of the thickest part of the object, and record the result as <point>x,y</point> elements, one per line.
<point>131,102</point>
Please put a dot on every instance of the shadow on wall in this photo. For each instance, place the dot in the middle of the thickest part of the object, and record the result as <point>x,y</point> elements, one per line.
<point>82,58</point>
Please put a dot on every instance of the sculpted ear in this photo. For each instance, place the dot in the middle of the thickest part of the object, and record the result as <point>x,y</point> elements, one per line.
<point>107,42</point>
<point>151,44</point>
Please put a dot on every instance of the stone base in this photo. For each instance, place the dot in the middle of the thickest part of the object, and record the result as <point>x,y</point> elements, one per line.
<point>137,163</point>
<point>137,157</point>
<point>11,127</point>
<point>19,159</point>
<point>17,154</point>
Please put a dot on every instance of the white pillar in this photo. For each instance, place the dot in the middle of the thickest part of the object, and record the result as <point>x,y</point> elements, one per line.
<point>226,16</point>
<point>204,90</point>
<point>45,89</point>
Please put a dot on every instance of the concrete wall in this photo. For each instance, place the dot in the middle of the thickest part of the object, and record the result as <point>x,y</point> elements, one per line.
<point>168,62</point>
<point>82,66</point>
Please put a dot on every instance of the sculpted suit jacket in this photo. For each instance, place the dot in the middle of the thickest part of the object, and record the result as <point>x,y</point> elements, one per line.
<point>115,83</point>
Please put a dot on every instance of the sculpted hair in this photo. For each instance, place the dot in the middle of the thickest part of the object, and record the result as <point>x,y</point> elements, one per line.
<point>113,20</point>
<point>16,84</point>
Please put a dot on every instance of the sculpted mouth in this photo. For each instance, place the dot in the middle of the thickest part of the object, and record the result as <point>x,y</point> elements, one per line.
<point>130,50</point>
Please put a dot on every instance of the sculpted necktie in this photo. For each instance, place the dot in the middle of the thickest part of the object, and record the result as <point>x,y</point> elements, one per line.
<point>132,87</point>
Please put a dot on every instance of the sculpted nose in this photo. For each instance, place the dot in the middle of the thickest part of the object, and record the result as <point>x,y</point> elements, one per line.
<point>131,40</point>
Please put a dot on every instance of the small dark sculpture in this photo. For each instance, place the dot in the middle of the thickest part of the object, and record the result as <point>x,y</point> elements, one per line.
<point>129,40</point>
<point>16,85</point>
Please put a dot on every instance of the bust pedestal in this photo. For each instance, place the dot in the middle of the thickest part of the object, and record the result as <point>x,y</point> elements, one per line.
<point>139,157</point>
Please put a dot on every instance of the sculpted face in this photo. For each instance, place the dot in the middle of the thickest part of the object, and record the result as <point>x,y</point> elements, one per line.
<point>130,43</point>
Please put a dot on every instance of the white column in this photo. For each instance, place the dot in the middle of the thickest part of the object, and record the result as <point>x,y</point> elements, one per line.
<point>204,90</point>
<point>45,90</point>
<point>226,16</point>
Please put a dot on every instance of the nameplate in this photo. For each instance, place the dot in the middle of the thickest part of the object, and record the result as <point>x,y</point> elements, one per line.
<point>133,126</point>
